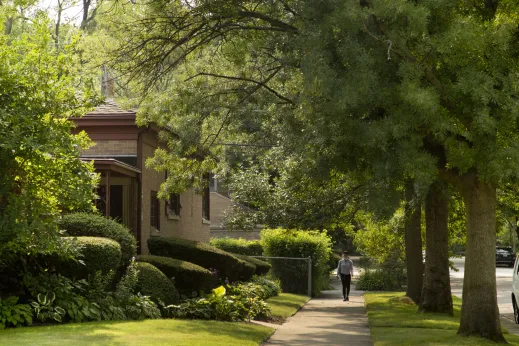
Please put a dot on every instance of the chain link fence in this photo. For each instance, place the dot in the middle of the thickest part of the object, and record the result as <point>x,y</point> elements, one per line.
<point>295,274</point>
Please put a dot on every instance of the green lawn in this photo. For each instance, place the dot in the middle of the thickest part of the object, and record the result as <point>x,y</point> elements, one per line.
<point>286,304</point>
<point>139,333</point>
<point>393,321</point>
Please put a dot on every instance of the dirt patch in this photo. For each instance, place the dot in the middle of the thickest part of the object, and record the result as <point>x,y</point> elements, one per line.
<point>402,300</point>
<point>271,319</point>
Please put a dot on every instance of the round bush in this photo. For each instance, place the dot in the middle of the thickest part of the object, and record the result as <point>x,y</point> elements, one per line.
<point>238,246</point>
<point>262,267</point>
<point>84,224</point>
<point>152,282</point>
<point>199,253</point>
<point>188,277</point>
<point>98,254</point>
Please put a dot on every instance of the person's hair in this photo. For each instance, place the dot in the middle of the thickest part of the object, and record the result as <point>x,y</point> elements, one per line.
<point>345,252</point>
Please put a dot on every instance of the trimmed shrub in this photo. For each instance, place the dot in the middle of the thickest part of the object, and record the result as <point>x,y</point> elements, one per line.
<point>188,277</point>
<point>238,246</point>
<point>248,270</point>
<point>262,267</point>
<point>152,282</point>
<point>205,255</point>
<point>291,243</point>
<point>98,254</point>
<point>92,225</point>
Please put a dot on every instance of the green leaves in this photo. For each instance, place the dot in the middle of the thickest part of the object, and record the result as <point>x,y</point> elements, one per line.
<point>42,175</point>
<point>13,314</point>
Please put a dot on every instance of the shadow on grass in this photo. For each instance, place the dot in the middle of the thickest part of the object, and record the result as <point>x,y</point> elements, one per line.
<point>384,310</point>
<point>148,332</point>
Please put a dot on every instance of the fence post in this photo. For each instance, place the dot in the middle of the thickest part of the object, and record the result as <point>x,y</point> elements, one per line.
<point>309,276</point>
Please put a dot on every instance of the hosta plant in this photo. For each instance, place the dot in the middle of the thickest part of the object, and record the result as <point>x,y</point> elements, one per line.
<point>44,308</point>
<point>13,314</point>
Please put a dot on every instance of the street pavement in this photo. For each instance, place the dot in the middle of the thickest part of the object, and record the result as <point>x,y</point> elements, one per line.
<point>504,291</point>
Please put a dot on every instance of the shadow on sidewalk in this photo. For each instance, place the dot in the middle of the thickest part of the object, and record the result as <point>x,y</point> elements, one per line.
<point>327,320</point>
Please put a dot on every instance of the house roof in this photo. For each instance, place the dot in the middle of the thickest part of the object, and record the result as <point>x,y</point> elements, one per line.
<point>112,165</point>
<point>110,108</point>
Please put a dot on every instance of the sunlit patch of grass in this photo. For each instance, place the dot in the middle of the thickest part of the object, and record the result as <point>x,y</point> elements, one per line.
<point>394,320</point>
<point>139,333</point>
<point>286,304</point>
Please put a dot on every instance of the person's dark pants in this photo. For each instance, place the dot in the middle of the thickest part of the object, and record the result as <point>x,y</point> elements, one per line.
<point>346,281</point>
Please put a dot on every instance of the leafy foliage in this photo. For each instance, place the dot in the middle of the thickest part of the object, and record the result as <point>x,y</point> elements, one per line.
<point>222,306</point>
<point>41,174</point>
<point>96,255</point>
<point>291,243</point>
<point>44,308</point>
<point>202,254</point>
<point>93,225</point>
<point>14,314</point>
<point>238,246</point>
<point>140,307</point>
<point>153,283</point>
<point>261,267</point>
<point>67,294</point>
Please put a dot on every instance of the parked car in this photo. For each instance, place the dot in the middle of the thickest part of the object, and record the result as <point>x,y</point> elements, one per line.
<point>505,255</point>
<point>515,291</point>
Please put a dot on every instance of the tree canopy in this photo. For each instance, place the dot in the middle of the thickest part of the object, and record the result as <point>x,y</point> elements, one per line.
<point>41,174</point>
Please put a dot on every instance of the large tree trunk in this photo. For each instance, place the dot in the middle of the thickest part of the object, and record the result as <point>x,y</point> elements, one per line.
<point>479,311</point>
<point>413,245</point>
<point>436,293</point>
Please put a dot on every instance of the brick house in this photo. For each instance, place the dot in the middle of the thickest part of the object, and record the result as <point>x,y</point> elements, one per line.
<point>128,190</point>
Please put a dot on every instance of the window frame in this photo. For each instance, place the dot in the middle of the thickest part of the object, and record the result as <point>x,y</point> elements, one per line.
<point>154,210</point>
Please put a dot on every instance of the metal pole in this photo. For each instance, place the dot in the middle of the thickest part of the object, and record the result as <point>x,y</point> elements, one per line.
<point>309,276</point>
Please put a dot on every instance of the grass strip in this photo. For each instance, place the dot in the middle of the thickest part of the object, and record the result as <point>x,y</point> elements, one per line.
<point>139,333</point>
<point>394,320</point>
<point>286,304</point>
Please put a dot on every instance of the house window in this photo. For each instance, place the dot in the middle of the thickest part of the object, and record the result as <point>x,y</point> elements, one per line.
<point>206,206</point>
<point>173,205</point>
<point>154,211</point>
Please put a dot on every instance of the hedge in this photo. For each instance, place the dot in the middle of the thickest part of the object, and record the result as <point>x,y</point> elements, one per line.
<point>205,255</point>
<point>188,277</point>
<point>98,254</point>
<point>262,267</point>
<point>152,282</point>
<point>84,224</point>
<point>238,246</point>
<point>291,243</point>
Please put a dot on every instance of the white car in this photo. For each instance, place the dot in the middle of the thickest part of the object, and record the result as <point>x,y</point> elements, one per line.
<point>515,291</point>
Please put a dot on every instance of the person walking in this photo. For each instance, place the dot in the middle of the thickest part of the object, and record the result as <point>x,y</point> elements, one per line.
<point>345,271</point>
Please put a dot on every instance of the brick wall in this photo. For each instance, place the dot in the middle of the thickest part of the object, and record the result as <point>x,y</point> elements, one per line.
<point>188,226</point>
<point>112,147</point>
<point>219,204</point>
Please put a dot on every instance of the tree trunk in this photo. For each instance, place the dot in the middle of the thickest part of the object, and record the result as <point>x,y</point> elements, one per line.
<point>413,245</point>
<point>479,310</point>
<point>8,25</point>
<point>436,293</point>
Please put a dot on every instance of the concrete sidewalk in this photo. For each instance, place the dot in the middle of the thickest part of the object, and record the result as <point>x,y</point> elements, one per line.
<point>327,320</point>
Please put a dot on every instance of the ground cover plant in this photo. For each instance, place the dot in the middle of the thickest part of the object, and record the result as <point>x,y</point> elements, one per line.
<point>394,320</point>
<point>137,333</point>
<point>239,302</point>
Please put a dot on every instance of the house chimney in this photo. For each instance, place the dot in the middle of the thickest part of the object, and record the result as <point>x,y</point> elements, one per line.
<point>107,83</point>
